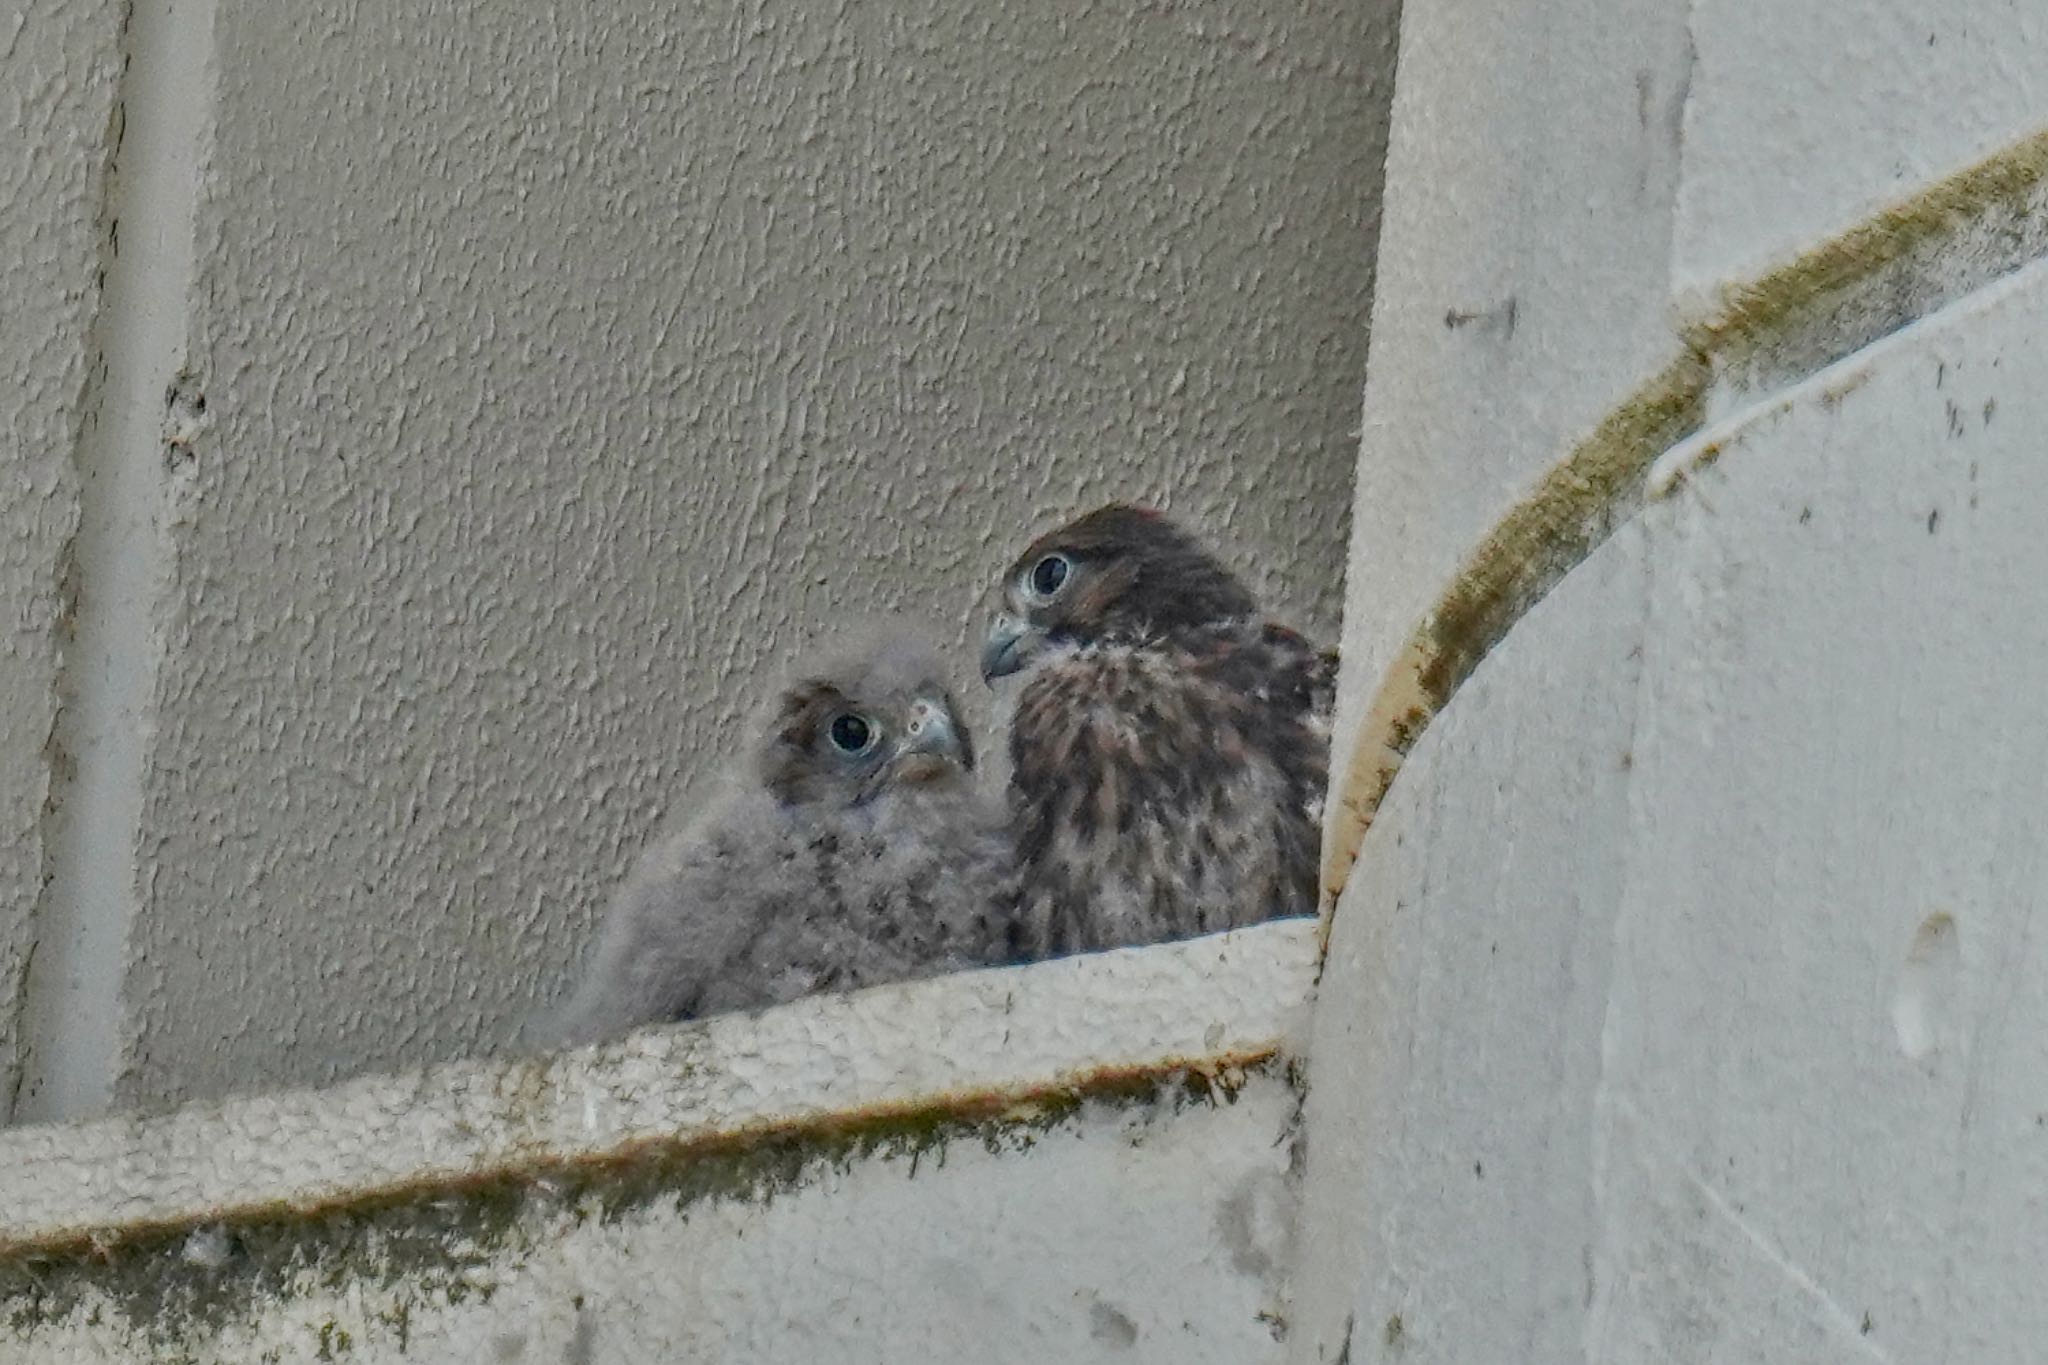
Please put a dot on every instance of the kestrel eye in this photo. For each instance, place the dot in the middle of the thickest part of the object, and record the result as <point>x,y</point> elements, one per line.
<point>1049,575</point>
<point>852,735</point>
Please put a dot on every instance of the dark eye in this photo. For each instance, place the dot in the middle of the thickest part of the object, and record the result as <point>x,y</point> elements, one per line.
<point>1049,575</point>
<point>851,734</point>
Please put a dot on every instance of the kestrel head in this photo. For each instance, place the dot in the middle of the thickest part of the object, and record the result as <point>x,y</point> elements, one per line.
<point>1119,573</point>
<point>856,723</point>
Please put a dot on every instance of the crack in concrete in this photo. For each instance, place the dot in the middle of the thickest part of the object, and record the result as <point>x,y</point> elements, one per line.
<point>1847,1325</point>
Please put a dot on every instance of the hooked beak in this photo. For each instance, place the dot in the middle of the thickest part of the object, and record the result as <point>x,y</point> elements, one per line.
<point>931,744</point>
<point>1011,643</point>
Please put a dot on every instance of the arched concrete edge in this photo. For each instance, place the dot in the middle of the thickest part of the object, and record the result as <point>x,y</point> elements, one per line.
<point>906,1065</point>
<point>1904,262</point>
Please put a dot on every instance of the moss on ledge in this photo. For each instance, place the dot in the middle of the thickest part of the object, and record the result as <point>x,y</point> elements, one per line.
<point>440,1242</point>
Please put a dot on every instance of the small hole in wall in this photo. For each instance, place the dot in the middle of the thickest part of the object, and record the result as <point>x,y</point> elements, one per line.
<point>1927,987</point>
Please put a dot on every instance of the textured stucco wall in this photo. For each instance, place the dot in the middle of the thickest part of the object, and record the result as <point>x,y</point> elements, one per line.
<point>562,369</point>
<point>1086,1160</point>
<point>58,62</point>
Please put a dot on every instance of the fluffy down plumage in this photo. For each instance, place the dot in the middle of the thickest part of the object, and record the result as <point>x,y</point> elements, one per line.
<point>856,851</point>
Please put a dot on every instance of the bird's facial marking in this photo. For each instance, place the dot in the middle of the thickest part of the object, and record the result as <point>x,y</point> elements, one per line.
<point>854,728</point>
<point>930,724</point>
<point>912,768</point>
<point>825,744</point>
<point>1118,573</point>
<point>1052,597</point>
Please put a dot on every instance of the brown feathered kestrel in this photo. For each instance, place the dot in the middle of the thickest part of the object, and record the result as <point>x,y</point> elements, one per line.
<point>1168,746</point>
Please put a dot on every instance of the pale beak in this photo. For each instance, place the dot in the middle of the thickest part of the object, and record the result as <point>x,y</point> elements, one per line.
<point>931,743</point>
<point>1011,643</point>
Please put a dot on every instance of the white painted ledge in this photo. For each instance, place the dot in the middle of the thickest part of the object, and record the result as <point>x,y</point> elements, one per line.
<point>969,1044</point>
<point>1084,1160</point>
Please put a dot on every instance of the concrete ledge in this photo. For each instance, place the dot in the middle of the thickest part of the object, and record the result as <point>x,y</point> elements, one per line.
<point>970,1047</point>
<point>1086,1160</point>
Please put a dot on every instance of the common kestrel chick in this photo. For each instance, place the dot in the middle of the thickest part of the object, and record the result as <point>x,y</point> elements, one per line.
<point>1168,747</point>
<point>857,850</point>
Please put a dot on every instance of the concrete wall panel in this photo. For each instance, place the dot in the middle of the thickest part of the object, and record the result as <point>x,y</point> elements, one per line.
<point>1525,265</point>
<point>1807,117</point>
<point>1459,1020</point>
<point>1760,1077</point>
<point>1834,1037</point>
<point>1119,1233</point>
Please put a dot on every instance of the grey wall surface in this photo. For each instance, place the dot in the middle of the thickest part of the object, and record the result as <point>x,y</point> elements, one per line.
<point>57,76</point>
<point>565,369</point>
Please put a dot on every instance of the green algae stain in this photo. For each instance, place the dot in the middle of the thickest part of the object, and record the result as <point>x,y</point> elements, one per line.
<point>447,1243</point>
<point>1570,514</point>
<point>1957,235</point>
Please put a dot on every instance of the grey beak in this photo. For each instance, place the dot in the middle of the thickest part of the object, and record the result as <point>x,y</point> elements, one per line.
<point>932,731</point>
<point>932,747</point>
<point>1011,643</point>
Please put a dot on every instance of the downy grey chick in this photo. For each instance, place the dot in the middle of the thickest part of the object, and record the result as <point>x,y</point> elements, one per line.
<point>1168,746</point>
<point>857,850</point>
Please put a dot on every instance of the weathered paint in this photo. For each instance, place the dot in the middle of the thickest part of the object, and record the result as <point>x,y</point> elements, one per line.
<point>1588,202</point>
<point>1571,511</point>
<point>1687,1004</point>
<point>1458,1021</point>
<point>1084,1159</point>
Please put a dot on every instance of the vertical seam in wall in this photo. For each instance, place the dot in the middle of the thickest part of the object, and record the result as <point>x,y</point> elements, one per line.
<point>117,567</point>
<point>1602,1252</point>
<point>1681,115</point>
